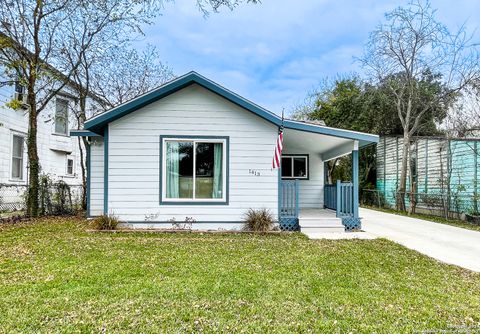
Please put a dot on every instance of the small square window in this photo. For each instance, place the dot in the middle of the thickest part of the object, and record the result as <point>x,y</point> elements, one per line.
<point>295,166</point>
<point>69,166</point>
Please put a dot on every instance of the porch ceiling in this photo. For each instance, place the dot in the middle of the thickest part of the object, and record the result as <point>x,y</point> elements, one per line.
<point>327,146</point>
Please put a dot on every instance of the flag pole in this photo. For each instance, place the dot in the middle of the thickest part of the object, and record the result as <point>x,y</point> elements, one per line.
<point>283,112</point>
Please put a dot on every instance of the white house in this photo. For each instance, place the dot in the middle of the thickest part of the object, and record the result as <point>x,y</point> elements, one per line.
<point>58,152</point>
<point>194,150</point>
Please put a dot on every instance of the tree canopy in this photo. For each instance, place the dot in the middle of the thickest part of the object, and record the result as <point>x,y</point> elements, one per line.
<point>351,103</point>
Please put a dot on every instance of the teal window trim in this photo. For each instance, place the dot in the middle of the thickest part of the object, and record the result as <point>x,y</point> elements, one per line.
<point>189,202</point>
<point>307,165</point>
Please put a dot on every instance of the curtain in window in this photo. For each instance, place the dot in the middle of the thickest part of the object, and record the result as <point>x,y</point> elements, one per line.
<point>217,171</point>
<point>172,164</point>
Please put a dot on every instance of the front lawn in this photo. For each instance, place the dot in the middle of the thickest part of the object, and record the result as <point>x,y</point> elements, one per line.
<point>55,277</point>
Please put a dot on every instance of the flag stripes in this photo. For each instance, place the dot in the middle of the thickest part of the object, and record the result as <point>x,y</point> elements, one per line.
<point>278,151</point>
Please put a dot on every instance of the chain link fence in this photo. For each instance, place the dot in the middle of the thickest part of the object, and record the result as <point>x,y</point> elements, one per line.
<point>447,205</point>
<point>55,198</point>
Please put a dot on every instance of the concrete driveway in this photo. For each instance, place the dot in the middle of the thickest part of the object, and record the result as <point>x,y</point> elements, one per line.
<point>443,242</point>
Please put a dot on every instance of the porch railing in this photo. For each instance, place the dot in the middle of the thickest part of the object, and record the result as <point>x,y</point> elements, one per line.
<point>339,197</point>
<point>288,204</point>
<point>330,196</point>
<point>344,199</point>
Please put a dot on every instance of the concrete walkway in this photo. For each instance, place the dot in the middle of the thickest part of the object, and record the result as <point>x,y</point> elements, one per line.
<point>443,242</point>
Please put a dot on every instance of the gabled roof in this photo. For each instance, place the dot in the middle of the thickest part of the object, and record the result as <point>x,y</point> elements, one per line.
<point>97,123</point>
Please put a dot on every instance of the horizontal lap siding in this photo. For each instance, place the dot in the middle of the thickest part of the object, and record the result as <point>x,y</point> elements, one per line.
<point>311,191</point>
<point>96,176</point>
<point>134,148</point>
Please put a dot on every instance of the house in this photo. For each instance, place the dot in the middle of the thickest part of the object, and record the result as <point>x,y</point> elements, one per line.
<point>193,150</point>
<point>444,172</point>
<point>59,154</point>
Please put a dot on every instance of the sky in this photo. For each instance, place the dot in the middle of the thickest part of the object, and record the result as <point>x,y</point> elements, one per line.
<point>276,52</point>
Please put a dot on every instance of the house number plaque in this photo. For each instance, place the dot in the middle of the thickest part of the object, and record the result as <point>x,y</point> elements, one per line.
<point>254,172</point>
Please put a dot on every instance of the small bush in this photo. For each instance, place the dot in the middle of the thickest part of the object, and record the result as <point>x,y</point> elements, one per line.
<point>105,222</point>
<point>258,220</point>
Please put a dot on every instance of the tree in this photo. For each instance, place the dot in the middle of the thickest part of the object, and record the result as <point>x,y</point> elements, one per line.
<point>401,54</point>
<point>36,40</point>
<point>464,118</point>
<point>349,102</point>
<point>100,36</point>
<point>31,39</point>
<point>126,73</point>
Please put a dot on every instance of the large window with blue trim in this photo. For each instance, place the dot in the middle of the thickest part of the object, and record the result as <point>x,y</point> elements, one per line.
<point>194,170</point>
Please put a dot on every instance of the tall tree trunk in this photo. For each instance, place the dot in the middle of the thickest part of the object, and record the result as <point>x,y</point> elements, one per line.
<point>413,184</point>
<point>84,176</point>
<point>402,185</point>
<point>81,120</point>
<point>330,169</point>
<point>34,164</point>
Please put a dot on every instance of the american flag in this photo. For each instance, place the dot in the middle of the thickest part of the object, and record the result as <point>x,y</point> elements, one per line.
<point>277,157</point>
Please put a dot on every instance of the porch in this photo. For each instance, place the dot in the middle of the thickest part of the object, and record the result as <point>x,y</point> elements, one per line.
<point>328,217</point>
<point>307,202</point>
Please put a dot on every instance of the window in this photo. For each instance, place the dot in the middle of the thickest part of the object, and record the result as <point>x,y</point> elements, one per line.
<point>17,157</point>
<point>69,166</point>
<point>61,117</point>
<point>194,170</point>
<point>19,91</point>
<point>294,166</point>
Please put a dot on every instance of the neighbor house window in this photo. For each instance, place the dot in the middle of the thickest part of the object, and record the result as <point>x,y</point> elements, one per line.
<point>17,157</point>
<point>61,117</point>
<point>295,166</point>
<point>194,170</point>
<point>69,166</point>
<point>19,90</point>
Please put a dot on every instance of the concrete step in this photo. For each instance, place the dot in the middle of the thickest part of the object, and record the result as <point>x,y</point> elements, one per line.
<point>313,230</point>
<point>331,222</point>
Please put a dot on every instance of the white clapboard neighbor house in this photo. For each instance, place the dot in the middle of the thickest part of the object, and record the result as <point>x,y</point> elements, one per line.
<point>58,152</point>
<point>193,150</point>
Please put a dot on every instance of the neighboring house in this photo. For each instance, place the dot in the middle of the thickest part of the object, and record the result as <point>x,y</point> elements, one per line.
<point>194,151</point>
<point>444,172</point>
<point>58,153</point>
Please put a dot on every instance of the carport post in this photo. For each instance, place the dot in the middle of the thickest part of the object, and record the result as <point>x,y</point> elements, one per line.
<point>355,180</point>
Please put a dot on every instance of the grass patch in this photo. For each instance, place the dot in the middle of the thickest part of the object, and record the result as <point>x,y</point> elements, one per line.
<point>432,218</point>
<point>55,277</point>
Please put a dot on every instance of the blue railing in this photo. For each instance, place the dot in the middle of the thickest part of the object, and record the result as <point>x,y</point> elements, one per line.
<point>344,199</point>
<point>289,198</point>
<point>330,196</point>
<point>339,197</point>
<point>288,206</point>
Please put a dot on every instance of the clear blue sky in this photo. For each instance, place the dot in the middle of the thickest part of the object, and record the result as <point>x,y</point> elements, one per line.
<point>276,52</point>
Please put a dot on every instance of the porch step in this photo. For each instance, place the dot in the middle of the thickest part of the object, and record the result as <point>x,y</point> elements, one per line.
<point>318,222</point>
<point>321,225</point>
<point>310,230</point>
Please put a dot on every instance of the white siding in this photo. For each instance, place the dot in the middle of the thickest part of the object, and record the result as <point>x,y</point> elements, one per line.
<point>96,176</point>
<point>133,167</point>
<point>52,149</point>
<point>311,190</point>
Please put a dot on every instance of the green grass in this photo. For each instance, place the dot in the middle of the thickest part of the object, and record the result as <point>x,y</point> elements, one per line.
<point>432,218</point>
<point>55,277</point>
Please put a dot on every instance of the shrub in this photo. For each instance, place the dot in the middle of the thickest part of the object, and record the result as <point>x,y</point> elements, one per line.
<point>105,222</point>
<point>258,220</point>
